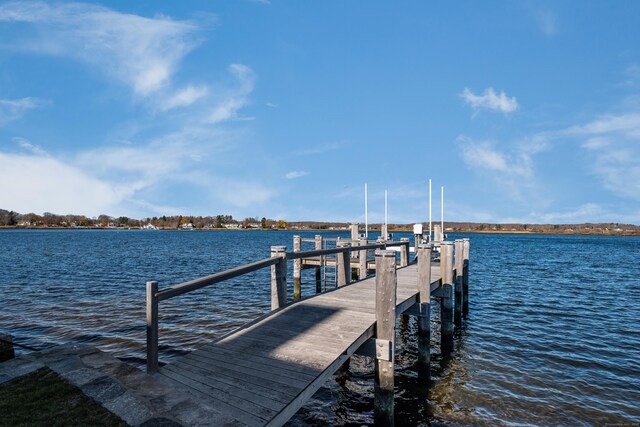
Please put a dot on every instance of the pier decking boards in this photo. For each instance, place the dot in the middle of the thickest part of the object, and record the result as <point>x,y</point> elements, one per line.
<point>265,371</point>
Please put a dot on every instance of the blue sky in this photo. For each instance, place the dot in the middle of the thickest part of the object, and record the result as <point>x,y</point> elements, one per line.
<point>524,111</point>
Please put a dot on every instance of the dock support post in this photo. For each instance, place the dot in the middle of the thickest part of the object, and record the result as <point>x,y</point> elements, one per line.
<point>362,260</point>
<point>446,313</point>
<point>6,347</point>
<point>386,283</point>
<point>465,279</point>
<point>384,232</point>
<point>318,243</point>
<point>152,327</point>
<point>343,264</point>
<point>354,231</point>
<point>459,251</point>
<point>423,254</point>
<point>404,251</point>
<point>279,277</point>
<point>417,241</point>
<point>297,269</point>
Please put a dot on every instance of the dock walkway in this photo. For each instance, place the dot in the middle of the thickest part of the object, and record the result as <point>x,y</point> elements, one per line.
<point>262,373</point>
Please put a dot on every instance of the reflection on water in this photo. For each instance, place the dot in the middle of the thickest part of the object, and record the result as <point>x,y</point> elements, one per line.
<point>552,338</point>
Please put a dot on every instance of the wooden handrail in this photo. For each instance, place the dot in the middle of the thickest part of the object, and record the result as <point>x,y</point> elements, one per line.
<point>192,285</point>
<point>278,264</point>
<point>331,251</point>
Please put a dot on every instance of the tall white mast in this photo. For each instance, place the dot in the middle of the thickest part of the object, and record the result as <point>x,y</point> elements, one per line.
<point>366,213</point>
<point>442,208</point>
<point>430,240</point>
<point>386,225</point>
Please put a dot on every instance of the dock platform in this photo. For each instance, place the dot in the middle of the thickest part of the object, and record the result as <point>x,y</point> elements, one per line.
<point>263,372</point>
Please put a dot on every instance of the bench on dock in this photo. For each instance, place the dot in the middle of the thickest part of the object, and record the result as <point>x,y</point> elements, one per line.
<point>263,372</point>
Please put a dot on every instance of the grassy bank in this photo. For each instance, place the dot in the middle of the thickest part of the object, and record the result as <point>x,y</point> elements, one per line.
<point>43,398</point>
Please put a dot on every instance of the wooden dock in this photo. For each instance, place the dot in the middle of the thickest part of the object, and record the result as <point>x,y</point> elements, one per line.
<point>263,372</point>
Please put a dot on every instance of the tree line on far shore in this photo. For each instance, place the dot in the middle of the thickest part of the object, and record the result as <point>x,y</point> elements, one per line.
<point>50,220</point>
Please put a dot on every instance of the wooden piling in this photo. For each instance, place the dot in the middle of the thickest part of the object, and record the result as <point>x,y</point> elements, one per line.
<point>343,264</point>
<point>152,327</point>
<point>404,251</point>
<point>386,282</point>
<point>297,269</point>
<point>279,277</point>
<point>437,233</point>
<point>362,260</point>
<point>423,255</point>
<point>7,351</point>
<point>446,299</point>
<point>465,279</point>
<point>384,232</point>
<point>355,233</point>
<point>459,294</point>
<point>318,246</point>
<point>417,239</point>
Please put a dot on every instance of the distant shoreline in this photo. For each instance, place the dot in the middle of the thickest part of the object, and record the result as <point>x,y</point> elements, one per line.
<point>399,229</point>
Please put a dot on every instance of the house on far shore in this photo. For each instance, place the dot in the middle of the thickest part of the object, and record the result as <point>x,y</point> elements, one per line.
<point>232,226</point>
<point>148,227</point>
<point>187,226</point>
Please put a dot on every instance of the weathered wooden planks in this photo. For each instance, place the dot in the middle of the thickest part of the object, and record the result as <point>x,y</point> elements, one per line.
<point>264,372</point>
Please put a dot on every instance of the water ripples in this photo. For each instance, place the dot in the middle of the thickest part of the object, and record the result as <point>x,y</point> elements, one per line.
<point>552,337</point>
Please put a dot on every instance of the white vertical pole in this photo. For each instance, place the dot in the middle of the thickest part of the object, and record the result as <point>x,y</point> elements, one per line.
<point>386,224</point>
<point>442,208</point>
<point>366,213</point>
<point>430,237</point>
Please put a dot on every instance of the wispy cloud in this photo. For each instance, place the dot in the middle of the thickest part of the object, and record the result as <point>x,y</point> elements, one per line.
<point>612,141</point>
<point>179,150</point>
<point>490,100</point>
<point>588,212</point>
<point>143,53</point>
<point>296,174</point>
<point>184,97</point>
<point>38,183</point>
<point>25,144</point>
<point>485,155</point>
<point>547,21</point>
<point>510,170</point>
<point>14,109</point>
<point>631,77</point>
<point>320,149</point>
<point>237,97</point>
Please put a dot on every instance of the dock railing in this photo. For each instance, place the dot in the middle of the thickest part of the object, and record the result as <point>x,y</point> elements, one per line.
<point>278,264</point>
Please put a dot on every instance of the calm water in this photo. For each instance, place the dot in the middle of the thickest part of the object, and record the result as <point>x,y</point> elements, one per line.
<point>553,336</point>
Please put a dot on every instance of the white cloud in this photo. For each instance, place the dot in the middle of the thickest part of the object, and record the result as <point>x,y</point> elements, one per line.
<point>184,97</point>
<point>612,142</point>
<point>14,109</point>
<point>490,100</point>
<point>547,21</point>
<point>296,174</point>
<point>484,155</point>
<point>182,149</point>
<point>271,105</point>
<point>140,52</point>
<point>319,149</point>
<point>27,145</point>
<point>626,125</point>
<point>242,194</point>
<point>37,183</point>
<point>227,109</point>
